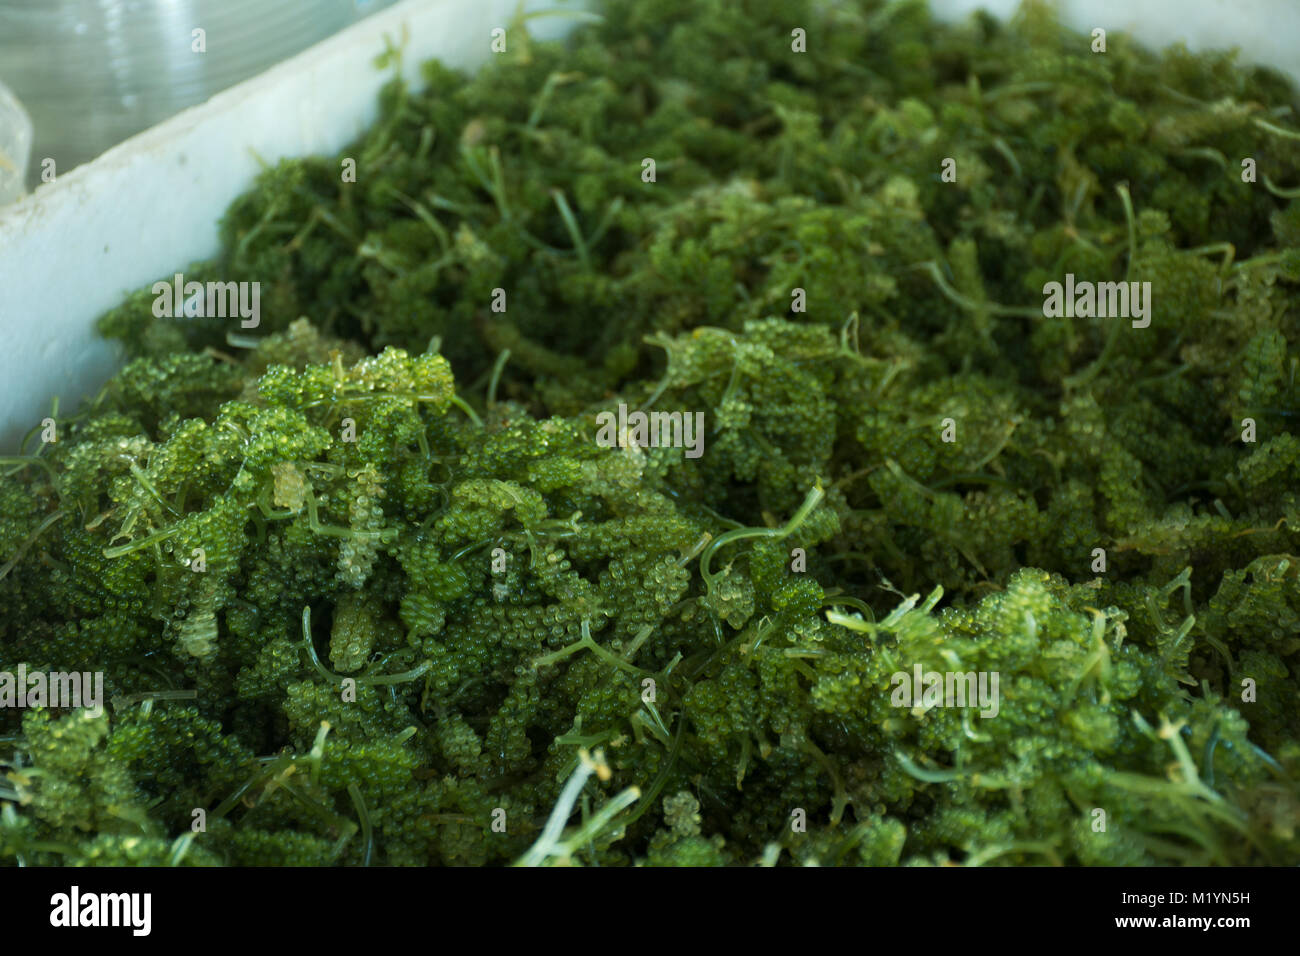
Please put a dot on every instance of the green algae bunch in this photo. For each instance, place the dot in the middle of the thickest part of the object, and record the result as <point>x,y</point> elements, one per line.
<point>948,514</point>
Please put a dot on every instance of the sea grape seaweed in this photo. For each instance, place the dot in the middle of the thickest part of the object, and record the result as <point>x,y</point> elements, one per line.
<point>365,588</point>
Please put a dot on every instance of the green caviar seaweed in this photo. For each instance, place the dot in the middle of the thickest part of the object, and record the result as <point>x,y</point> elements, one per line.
<point>365,588</point>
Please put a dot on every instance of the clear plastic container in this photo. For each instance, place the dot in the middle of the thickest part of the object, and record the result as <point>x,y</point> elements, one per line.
<point>15,146</point>
<point>94,72</point>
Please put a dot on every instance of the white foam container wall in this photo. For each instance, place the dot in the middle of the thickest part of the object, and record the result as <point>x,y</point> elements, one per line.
<point>150,206</point>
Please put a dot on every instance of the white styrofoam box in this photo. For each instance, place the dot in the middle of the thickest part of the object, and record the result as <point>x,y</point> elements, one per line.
<point>149,207</point>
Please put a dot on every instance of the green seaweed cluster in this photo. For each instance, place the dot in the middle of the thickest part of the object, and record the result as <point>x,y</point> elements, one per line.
<point>365,588</point>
